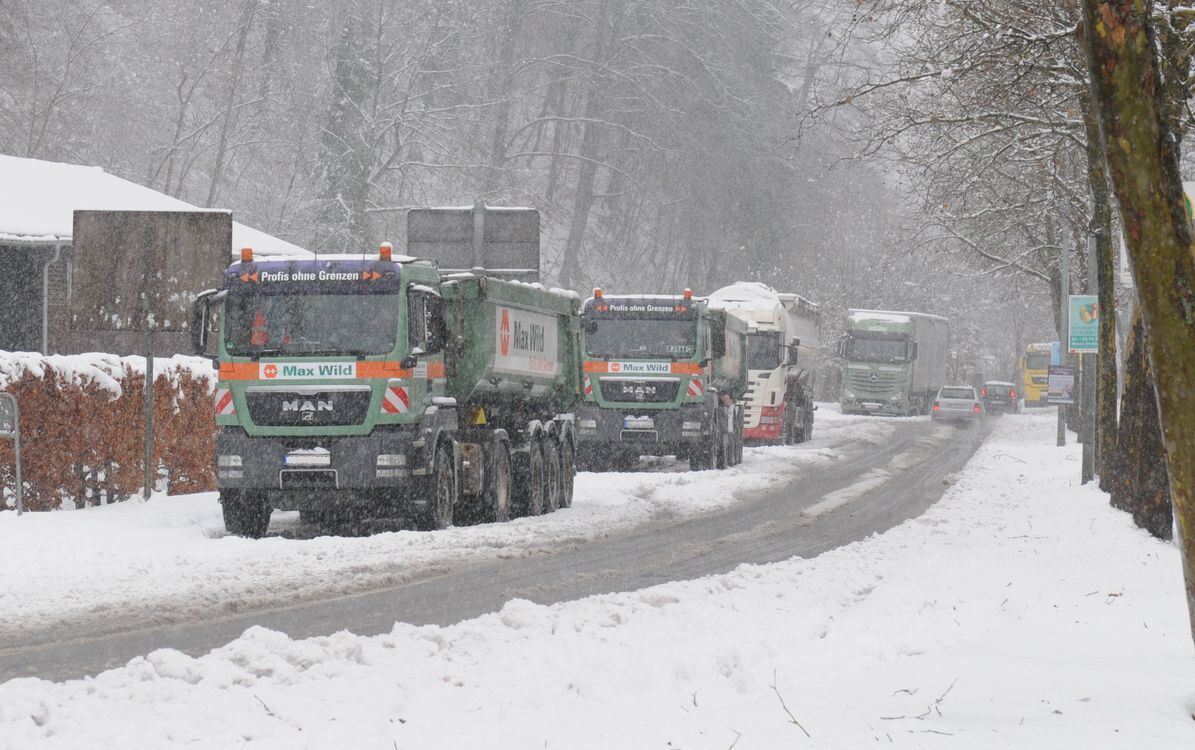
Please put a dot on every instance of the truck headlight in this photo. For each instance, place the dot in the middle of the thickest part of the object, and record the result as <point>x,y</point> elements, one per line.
<point>228,460</point>
<point>587,424</point>
<point>392,459</point>
<point>690,425</point>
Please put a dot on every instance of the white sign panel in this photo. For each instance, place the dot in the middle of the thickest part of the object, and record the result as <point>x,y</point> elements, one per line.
<point>526,343</point>
<point>307,370</point>
<point>640,368</point>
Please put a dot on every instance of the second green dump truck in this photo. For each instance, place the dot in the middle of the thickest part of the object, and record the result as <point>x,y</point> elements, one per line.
<point>356,387</point>
<point>663,375</point>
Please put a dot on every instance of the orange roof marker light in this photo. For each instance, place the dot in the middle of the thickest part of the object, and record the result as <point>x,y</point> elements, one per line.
<point>597,292</point>
<point>688,293</point>
<point>246,255</point>
<point>386,252</point>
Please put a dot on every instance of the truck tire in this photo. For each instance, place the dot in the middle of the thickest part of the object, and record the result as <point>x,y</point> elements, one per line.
<point>439,490</point>
<point>568,470</point>
<point>722,450</point>
<point>245,513</point>
<point>497,498</point>
<point>552,473</point>
<point>529,487</point>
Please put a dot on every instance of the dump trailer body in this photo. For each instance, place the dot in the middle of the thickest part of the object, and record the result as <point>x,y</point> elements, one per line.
<point>894,361</point>
<point>511,346</point>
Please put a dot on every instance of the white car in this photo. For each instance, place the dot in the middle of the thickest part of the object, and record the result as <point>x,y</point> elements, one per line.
<point>958,403</point>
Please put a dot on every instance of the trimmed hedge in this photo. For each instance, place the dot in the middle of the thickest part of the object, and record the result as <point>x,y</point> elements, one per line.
<point>82,422</point>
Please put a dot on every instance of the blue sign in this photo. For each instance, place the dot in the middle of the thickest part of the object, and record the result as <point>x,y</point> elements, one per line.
<point>1084,326</point>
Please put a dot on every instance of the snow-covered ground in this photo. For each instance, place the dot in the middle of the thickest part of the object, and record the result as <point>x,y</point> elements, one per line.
<point>1020,611</point>
<point>168,560</point>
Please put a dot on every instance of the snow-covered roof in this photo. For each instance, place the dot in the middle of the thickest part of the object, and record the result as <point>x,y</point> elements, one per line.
<point>38,200</point>
<point>890,316</point>
<point>745,295</point>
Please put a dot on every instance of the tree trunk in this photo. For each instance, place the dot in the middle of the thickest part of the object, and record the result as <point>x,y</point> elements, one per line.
<point>1101,229</point>
<point>1142,156</point>
<point>570,266</point>
<point>1142,487</point>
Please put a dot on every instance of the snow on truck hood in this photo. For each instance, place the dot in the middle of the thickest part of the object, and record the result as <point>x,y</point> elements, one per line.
<point>38,200</point>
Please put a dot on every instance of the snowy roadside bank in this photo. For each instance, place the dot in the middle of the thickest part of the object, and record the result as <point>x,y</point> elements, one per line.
<point>1020,611</point>
<point>168,560</point>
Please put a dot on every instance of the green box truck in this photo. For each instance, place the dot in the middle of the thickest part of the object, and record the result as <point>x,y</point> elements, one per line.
<point>380,387</point>
<point>663,375</point>
<point>894,362</point>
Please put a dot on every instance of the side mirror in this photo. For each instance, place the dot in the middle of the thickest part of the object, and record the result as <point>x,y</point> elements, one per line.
<point>201,319</point>
<point>717,339</point>
<point>842,347</point>
<point>411,360</point>
<point>913,350</point>
<point>436,330</point>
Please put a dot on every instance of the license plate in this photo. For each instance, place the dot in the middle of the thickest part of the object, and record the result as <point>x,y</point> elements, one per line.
<point>638,423</point>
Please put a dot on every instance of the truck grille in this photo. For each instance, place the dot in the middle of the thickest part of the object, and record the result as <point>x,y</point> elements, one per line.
<point>308,408</point>
<point>639,391</point>
<point>862,382</point>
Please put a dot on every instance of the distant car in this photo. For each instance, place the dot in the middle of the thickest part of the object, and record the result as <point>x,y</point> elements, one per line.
<point>1000,397</point>
<point>958,403</point>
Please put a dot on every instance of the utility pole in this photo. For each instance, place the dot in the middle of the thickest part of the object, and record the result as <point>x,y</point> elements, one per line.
<point>1063,325</point>
<point>1089,377</point>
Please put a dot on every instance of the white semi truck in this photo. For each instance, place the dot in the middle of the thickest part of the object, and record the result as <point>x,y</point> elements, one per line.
<point>782,344</point>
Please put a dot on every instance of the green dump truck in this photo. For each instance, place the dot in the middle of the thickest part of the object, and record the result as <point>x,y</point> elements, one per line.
<point>894,362</point>
<point>359,388</point>
<point>663,375</point>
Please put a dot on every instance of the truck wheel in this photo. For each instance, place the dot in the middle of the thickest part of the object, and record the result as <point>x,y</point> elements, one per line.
<point>497,492</point>
<point>440,492</point>
<point>552,474</point>
<point>529,490</point>
<point>245,513</point>
<point>722,450</point>
<point>568,470</point>
<point>702,455</point>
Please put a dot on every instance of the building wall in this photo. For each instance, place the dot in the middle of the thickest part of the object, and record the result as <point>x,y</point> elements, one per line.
<point>20,297</point>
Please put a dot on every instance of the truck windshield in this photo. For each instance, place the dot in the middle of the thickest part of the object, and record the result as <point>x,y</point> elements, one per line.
<point>869,349</point>
<point>296,324</point>
<point>763,351</point>
<point>1037,361</point>
<point>641,338</point>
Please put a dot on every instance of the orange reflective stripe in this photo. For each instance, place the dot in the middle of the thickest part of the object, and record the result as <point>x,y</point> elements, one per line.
<point>435,369</point>
<point>596,366</point>
<point>686,368</point>
<point>382,370</point>
<point>238,371</point>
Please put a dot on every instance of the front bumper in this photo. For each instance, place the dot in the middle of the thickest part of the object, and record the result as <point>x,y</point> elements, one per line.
<point>874,406</point>
<point>351,465</point>
<point>667,433</point>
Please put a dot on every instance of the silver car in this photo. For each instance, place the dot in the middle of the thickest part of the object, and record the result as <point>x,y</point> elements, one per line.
<point>958,403</point>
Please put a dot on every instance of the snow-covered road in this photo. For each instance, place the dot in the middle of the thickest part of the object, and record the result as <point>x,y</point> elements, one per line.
<point>1020,611</point>
<point>74,574</point>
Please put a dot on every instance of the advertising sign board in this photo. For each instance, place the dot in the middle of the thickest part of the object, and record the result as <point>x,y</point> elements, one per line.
<point>1084,324</point>
<point>1061,387</point>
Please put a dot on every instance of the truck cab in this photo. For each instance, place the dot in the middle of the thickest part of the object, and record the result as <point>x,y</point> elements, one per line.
<point>325,366</point>
<point>1034,366</point>
<point>659,379</point>
<point>894,362</point>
